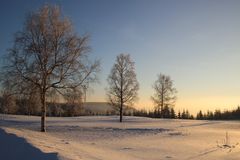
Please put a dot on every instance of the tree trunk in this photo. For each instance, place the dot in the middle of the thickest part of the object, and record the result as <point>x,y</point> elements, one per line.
<point>162,103</point>
<point>121,112</point>
<point>43,116</point>
<point>121,94</point>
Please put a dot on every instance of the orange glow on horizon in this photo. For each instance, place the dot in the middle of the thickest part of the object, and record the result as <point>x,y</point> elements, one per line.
<point>193,104</point>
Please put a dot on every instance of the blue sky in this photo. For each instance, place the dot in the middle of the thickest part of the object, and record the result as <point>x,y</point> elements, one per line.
<point>196,42</point>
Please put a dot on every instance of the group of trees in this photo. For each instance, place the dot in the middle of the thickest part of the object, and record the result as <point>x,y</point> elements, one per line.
<point>185,114</point>
<point>20,106</point>
<point>219,115</point>
<point>123,87</point>
<point>167,112</point>
<point>48,59</point>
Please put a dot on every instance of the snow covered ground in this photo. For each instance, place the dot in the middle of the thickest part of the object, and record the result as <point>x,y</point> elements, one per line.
<point>104,138</point>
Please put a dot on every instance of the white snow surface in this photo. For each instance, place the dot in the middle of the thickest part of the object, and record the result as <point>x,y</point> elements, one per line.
<point>137,138</point>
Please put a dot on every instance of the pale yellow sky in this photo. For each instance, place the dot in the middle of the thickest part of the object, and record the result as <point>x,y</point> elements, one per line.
<point>193,103</point>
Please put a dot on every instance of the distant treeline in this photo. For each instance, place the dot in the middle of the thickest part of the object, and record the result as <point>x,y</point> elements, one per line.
<point>23,106</point>
<point>9,105</point>
<point>166,112</point>
<point>169,112</point>
<point>220,115</point>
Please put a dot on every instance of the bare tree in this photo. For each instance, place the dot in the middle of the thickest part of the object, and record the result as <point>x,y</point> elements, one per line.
<point>165,93</point>
<point>49,55</point>
<point>8,105</point>
<point>74,101</point>
<point>123,84</point>
<point>8,99</point>
<point>33,101</point>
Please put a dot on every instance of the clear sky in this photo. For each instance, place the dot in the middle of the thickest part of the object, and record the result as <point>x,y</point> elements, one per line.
<point>196,42</point>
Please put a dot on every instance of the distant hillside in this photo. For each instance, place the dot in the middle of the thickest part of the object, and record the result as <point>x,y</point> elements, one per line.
<point>100,107</point>
<point>97,107</point>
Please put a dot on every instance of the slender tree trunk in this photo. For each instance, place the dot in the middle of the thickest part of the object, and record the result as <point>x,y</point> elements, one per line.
<point>121,105</point>
<point>162,102</point>
<point>121,112</point>
<point>43,116</point>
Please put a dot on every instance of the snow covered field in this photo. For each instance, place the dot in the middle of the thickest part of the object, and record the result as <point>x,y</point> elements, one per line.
<point>104,138</point>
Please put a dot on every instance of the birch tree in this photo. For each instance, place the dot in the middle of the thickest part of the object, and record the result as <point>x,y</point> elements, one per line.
<point>164,93</point>
<point>123,84</point>
<point>49,55</point>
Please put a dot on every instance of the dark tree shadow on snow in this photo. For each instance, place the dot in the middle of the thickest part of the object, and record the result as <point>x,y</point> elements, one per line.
<point>16,148</point>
